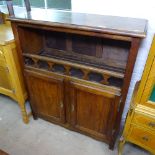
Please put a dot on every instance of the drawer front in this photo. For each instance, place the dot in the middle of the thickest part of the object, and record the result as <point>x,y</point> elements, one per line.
<point>142,137</point>
<point>143,120</point>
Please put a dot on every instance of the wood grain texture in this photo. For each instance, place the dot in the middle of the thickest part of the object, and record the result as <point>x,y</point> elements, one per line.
<point>88,108</point>
<point>50,103</point>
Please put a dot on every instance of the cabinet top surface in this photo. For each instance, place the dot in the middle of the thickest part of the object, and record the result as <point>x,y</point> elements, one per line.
<point>6,35</point>
<point>88,22</point>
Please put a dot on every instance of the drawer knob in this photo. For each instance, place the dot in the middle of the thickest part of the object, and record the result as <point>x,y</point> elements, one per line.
<point>151,124</point>
<point>145,138</point>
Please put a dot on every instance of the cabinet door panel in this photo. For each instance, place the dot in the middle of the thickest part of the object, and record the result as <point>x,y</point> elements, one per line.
<point>5,81</point>
<point>91,110</point>
<point>46,95</point>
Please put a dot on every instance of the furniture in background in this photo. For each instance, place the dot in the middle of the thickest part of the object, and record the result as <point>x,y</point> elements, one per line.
<point>11,80</point>
<point>140,123</point>
<point>78,67</point>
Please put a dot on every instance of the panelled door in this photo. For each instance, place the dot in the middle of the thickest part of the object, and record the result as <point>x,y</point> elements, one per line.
<point>91,110</point>
<point>46,96</point>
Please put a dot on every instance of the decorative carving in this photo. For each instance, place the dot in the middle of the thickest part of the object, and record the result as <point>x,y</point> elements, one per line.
<point>71,70</point>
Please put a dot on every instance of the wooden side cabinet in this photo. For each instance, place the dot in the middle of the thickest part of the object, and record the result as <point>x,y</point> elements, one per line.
<point>140,123</point>
<point>11,81</point>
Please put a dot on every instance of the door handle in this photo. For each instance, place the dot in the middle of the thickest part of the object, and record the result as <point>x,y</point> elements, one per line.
<point>145,138</point>
<point>72,107</point>
<point>151,124</point>
<point>61,104</point>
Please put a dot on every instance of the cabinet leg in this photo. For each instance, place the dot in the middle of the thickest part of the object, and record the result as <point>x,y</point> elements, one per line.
<point>34,114</point>
<point>24,113</point>
<point>111,146</point>
<point>35,117</point>
<point>121,145</point>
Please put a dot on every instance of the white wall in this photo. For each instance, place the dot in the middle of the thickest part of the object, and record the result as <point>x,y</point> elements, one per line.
<point>126,8</point>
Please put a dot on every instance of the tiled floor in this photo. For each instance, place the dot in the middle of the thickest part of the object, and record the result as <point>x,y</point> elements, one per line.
<point>43,138</point>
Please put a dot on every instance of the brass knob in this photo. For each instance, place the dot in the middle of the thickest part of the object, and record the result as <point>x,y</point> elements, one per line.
<point>151,124</point>
<point>145,138</point>
<point>72,107</point>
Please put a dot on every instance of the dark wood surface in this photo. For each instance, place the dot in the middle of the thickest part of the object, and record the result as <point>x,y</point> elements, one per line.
<point>78,68</point>
<point>90,22</point>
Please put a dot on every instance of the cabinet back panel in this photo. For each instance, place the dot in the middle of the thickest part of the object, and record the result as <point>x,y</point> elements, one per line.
<point>115,53</point>
<point>55,40</point>
<point>84,45</point>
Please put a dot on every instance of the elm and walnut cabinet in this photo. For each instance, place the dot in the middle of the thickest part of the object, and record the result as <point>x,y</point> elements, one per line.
<point>78,67</point>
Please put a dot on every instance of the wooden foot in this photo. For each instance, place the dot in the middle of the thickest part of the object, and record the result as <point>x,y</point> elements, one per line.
<point>111,146</point>
<point>35,117</point>
<point>121,145</point>
<point>24,113</point>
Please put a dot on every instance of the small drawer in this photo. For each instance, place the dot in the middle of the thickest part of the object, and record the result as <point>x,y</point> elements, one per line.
<point>142,137</point>
<point>143,120</point>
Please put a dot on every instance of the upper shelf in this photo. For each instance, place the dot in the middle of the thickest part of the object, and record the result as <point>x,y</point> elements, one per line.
<point>88,22</point>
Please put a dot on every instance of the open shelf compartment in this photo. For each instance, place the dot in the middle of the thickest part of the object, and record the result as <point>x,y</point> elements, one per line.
<point>97,52</point>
